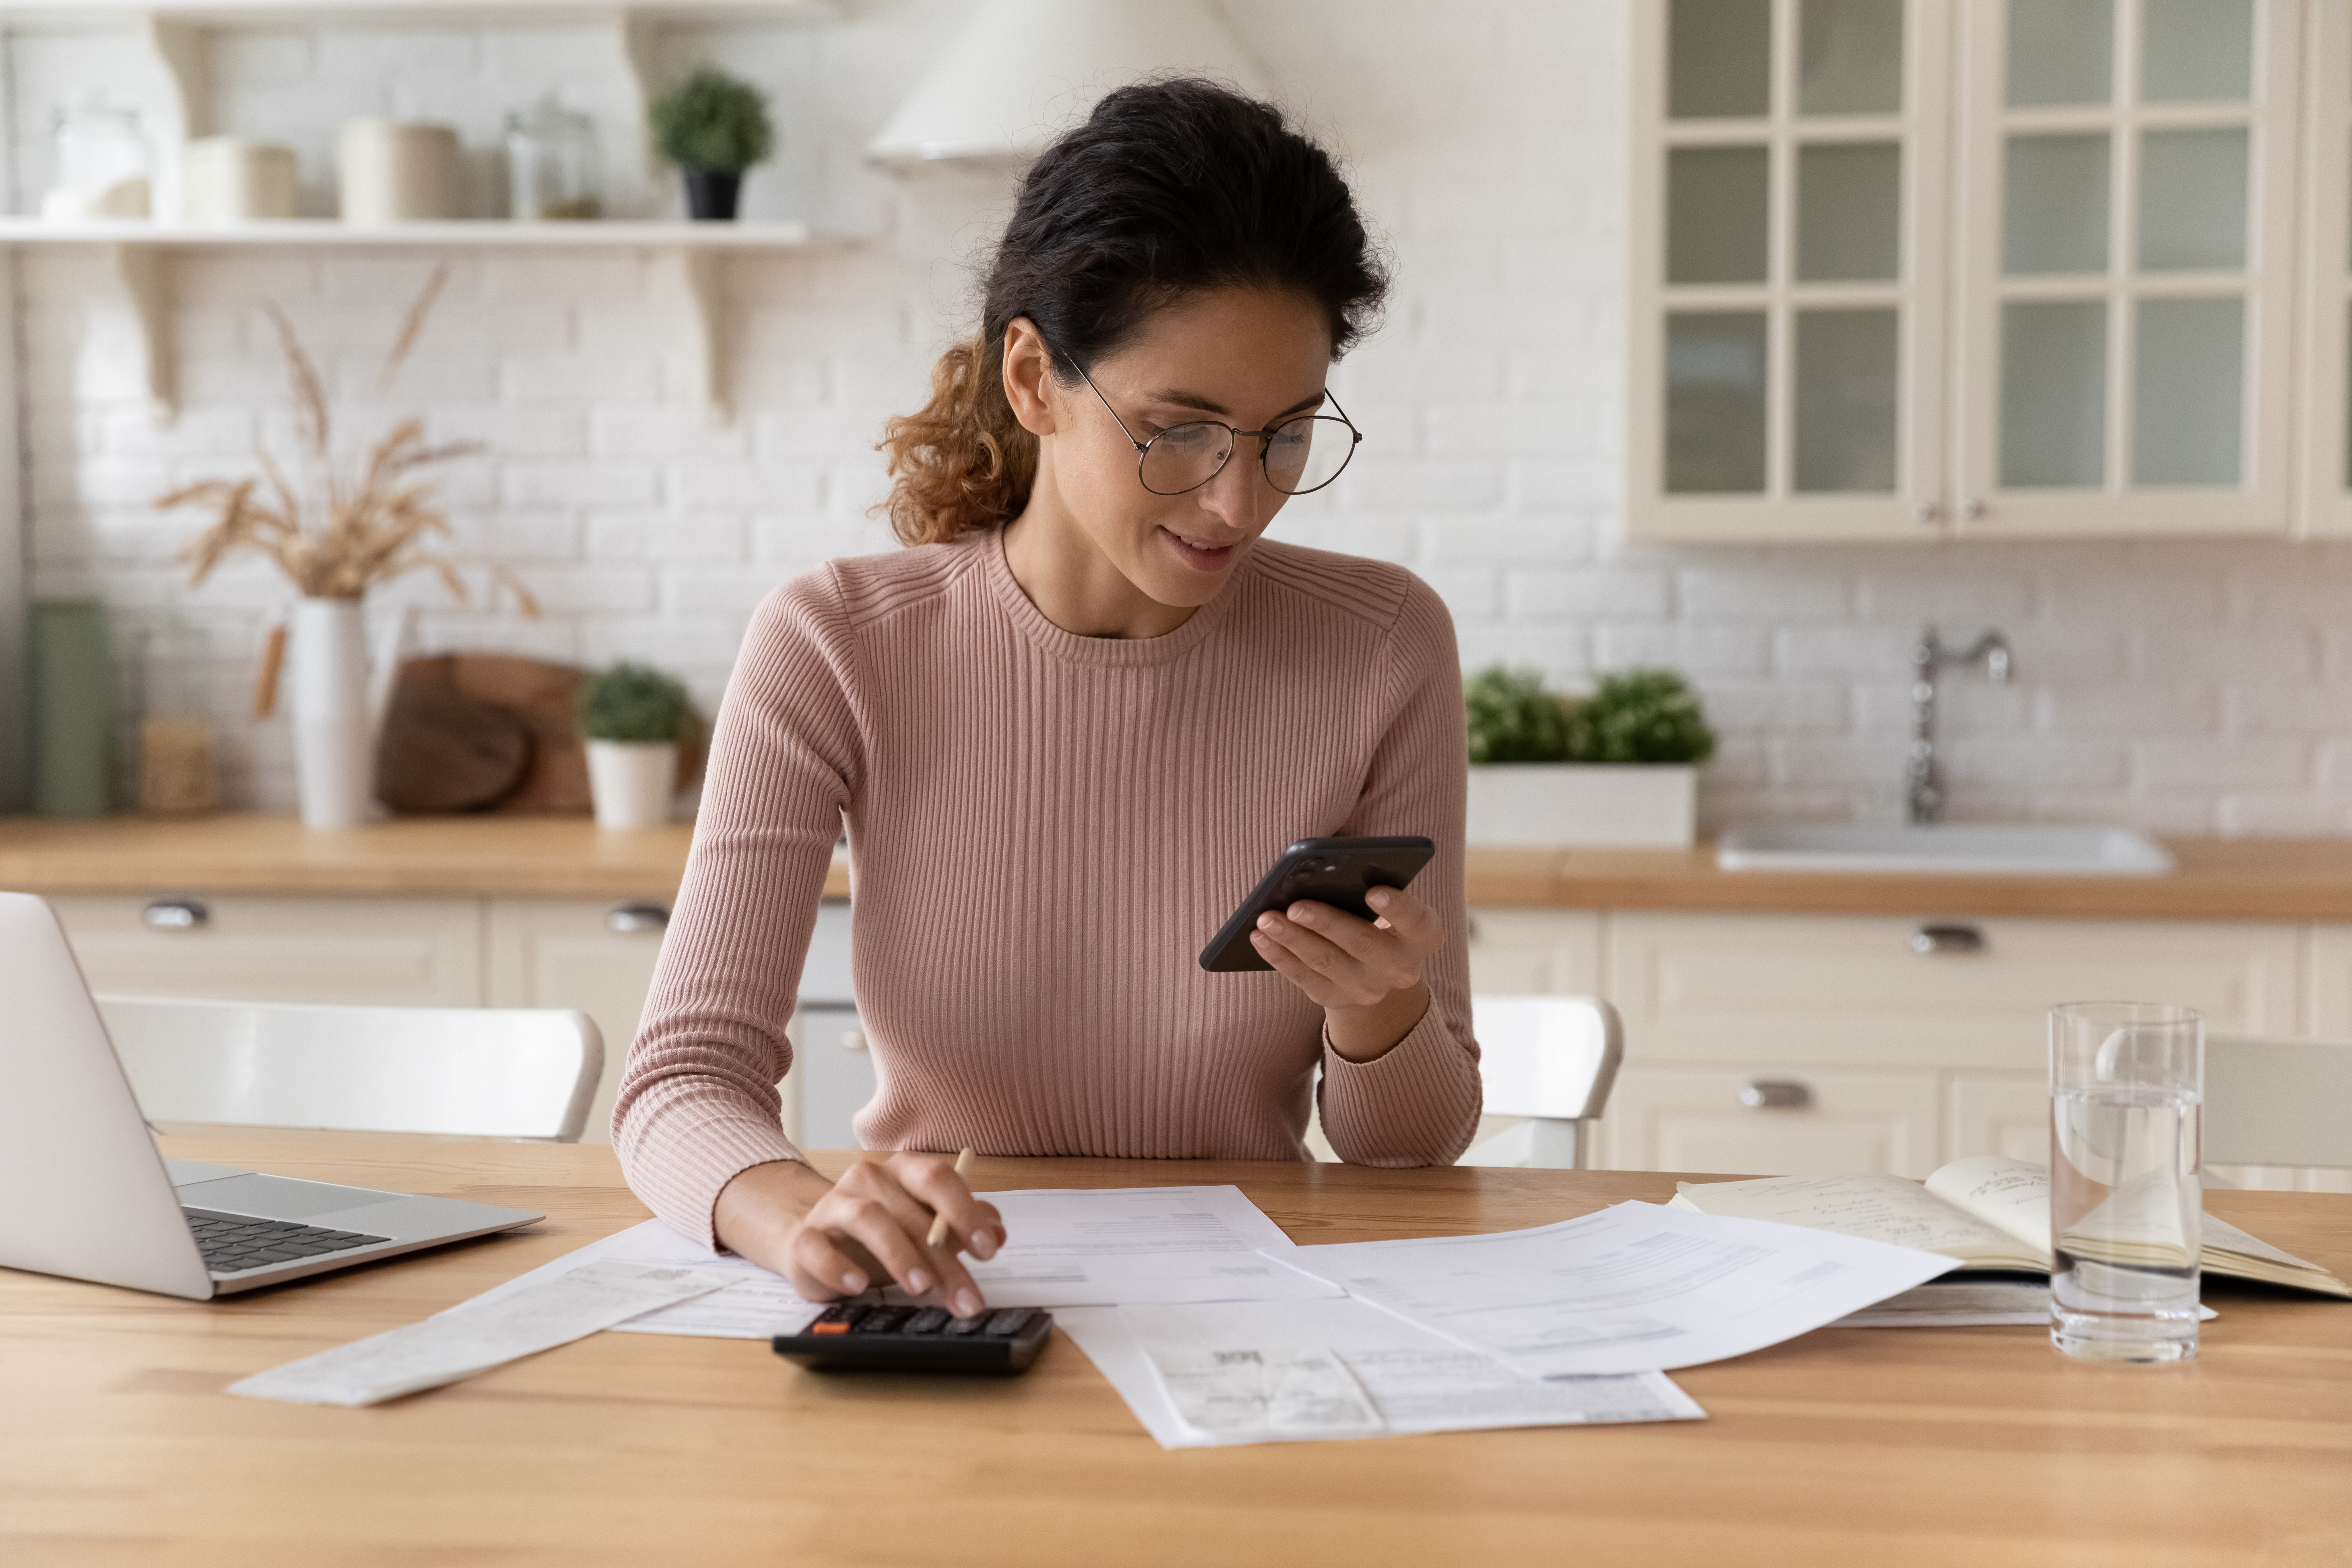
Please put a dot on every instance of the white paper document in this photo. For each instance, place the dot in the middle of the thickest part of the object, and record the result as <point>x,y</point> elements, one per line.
<point>1634,1288</point>
<point>1415,1381</point>
<point>1068,1247</point>
<point>1112,1246</point>
<point>1961,1303</point>
<point>745,1301</point>
<point>477,1335</point>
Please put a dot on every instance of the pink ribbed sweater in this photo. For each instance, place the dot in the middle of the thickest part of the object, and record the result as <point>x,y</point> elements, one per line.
<point>1044,830</point>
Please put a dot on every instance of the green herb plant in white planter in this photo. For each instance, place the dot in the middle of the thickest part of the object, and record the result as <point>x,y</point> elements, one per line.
<point>713,126</point>
<point>1618,769</point>
<point>634,719</point>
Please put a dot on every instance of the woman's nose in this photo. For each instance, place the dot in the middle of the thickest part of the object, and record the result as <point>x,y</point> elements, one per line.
<point>1239,495</point>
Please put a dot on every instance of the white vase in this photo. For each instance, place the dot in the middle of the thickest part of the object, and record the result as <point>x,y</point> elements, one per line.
<point>631,782</point>
<point>334,751</point>
<point>1612,805</point>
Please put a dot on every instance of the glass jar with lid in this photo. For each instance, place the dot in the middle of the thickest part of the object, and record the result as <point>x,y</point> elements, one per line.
<point>554,167</point>
<point>103,163</point>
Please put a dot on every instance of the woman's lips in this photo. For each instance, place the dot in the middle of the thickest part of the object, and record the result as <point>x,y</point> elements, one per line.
<point>1201,557</point>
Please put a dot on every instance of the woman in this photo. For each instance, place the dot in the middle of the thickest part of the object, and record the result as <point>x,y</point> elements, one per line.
<point>1069,730</point>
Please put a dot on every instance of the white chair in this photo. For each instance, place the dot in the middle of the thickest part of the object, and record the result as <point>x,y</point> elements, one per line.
<point>2278,1103</point>
<point>1551,1059</point>
<point>464,1071</point>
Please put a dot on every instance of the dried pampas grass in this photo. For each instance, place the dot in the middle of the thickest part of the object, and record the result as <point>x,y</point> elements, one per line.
<point>334,537</point>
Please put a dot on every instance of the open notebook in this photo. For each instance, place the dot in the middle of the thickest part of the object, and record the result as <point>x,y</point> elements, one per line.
<point>1990,1212</point>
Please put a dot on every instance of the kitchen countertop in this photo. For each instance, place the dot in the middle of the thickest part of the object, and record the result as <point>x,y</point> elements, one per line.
<point>527,856</point>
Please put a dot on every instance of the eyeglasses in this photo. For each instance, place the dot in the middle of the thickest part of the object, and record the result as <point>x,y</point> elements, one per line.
<point>1297,454</point>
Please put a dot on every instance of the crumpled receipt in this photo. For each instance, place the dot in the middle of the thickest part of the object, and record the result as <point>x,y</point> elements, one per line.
<point>475,1336</point>
<point>1269,1392</point>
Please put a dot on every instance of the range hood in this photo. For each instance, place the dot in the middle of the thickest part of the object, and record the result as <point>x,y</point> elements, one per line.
<point>1025,70</point>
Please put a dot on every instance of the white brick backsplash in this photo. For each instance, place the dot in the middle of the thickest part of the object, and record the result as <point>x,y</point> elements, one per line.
<point>2177,687</point>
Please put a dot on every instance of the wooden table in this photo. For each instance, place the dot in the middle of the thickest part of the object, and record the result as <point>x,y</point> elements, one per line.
<point>1882,1446</point>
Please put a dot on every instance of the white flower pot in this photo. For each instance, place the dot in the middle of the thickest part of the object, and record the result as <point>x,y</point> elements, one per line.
<point>633,782</point>
<point>1611,806</point>
<point>334,747</point>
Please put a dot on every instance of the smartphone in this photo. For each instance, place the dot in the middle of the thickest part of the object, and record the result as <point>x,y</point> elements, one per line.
<point>1334,871</point>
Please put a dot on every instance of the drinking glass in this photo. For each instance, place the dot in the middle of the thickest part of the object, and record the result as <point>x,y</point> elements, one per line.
<point>2126,1093</point>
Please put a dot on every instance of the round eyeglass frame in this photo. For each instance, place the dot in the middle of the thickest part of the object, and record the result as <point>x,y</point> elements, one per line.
<point>1143,448</point>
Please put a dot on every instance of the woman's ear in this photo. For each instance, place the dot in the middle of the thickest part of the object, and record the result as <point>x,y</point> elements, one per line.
<point>1029,377</point>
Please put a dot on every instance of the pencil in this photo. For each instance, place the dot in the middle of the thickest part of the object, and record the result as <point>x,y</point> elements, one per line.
<point>939,1224</point>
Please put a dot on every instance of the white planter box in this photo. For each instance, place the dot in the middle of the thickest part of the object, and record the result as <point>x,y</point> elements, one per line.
<point>631,782</point>
<point>1610,805</point>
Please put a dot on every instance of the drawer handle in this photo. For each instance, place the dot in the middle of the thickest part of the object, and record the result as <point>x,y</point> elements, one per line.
<point>175,914</point>
<point>629,919</point>
<point>853,1040</point>
<point>1776,1094</point>
<point>1930,940</point>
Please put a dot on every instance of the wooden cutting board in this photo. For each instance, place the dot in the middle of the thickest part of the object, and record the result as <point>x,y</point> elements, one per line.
<point>491,731</point>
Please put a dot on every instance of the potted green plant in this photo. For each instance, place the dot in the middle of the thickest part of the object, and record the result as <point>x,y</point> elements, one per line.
<point>634,719</point>
<point>713,126</point>
<point>1617,769</point>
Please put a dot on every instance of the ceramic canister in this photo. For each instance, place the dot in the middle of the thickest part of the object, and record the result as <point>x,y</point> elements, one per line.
<point>229,179</point>
<point>394,170</point>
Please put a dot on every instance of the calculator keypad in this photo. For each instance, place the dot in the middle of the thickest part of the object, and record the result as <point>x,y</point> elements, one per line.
<point>918,1339</point>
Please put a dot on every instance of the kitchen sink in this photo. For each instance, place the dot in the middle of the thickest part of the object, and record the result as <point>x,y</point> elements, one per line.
<point>1962,849</point>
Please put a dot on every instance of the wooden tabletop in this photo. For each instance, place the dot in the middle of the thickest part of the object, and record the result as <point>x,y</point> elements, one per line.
<point>2292,879</point>
<point>518,857</point>
<point>1879,1447</point>
<point>511,856</point>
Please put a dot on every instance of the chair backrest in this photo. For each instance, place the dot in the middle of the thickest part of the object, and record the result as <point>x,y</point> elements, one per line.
<point>468,1071</point>
<point>1549,1056</point>
<point>2278,1103</point>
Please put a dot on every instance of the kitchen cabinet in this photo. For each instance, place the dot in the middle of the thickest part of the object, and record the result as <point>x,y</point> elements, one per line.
<point>1770,1118</point>
<point>1951,991</point>
<point>597,957</point>
<point>1767,1043</point>
<point>1924,269</point>
<point>414,953</point>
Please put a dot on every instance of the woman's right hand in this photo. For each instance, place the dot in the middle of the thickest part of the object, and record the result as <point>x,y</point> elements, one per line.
<point>838,1239</point>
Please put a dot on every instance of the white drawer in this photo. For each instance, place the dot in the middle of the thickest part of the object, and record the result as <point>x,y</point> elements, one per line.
<point>415,952</point>
<point>596,956</point>
<point>1852,990</point>
<point>1534,953</point>
<point>2000,1114</point>
<point>2329,1014</point>
<point>1683,1119</point>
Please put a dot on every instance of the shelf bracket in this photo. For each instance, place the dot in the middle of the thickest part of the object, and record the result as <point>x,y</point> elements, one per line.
<point>701,281</point>
<point>638,39</point>
<point>140,273</point>
<point>185,48</point>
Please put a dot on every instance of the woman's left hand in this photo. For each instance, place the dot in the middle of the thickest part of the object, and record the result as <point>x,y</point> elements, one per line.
<point>1365,975</point>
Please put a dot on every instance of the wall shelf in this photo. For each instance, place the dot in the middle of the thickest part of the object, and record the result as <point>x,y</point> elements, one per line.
<point>138,253</point>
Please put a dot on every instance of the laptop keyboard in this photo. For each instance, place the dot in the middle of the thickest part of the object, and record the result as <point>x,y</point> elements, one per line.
<point>235,1243</point>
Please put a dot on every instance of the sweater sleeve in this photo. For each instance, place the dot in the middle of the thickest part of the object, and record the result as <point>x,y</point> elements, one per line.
<point>1417,1103</point>
<point>697,1102</point>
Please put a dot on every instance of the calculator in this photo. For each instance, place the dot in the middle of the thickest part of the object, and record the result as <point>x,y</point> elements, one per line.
<point>851,1337</point>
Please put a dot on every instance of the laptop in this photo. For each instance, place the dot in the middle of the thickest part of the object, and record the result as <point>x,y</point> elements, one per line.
<point>84,1191</point>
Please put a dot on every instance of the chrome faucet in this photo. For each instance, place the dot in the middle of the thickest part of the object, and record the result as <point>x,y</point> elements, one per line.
<point>1923,774</point>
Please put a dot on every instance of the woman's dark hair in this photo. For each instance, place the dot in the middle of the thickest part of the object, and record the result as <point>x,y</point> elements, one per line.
<point>1170,187</point>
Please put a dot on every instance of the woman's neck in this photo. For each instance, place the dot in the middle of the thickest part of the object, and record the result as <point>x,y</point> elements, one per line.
<point>1073,584</point>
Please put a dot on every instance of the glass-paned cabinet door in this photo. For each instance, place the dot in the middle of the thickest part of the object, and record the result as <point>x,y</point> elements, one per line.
<point>2126,169</point>
<point>1788,264</point>
<point>2325,362</point>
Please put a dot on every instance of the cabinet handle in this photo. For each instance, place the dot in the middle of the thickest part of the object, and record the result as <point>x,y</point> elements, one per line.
<point>1776,1094</point>
<point>629,919</point>
<point>175,914</point>
<point>1972,509</point>
<point>853,1040</point>
<point>1930,940</point>
<point>1926,513</point>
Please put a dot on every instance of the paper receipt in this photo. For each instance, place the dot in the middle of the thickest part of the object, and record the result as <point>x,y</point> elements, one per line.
<point>472,1338</point>
<point>1278,1393</point>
